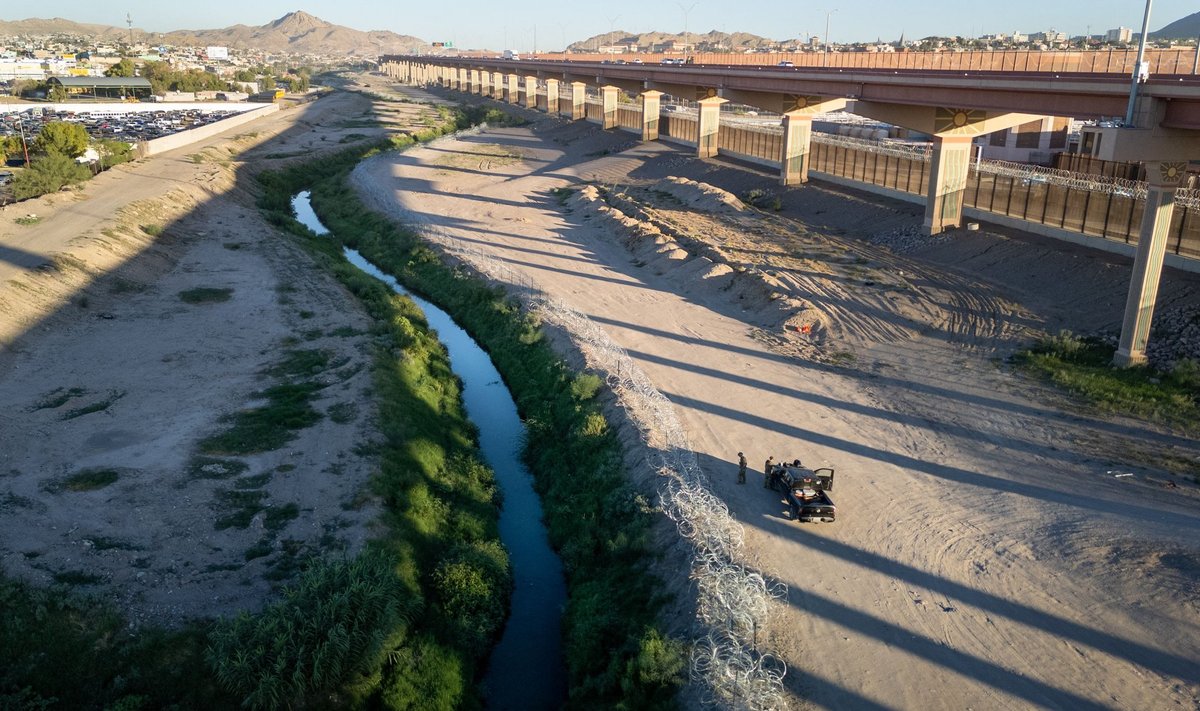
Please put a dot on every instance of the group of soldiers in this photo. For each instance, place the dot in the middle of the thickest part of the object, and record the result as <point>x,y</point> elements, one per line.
<point>766,470</point>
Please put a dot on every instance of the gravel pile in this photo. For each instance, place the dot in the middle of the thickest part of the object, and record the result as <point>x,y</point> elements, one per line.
<point>1175,336</point>
<point>903,240</point>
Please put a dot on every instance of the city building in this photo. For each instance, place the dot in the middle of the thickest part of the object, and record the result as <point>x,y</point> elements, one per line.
<point>1121,34</point>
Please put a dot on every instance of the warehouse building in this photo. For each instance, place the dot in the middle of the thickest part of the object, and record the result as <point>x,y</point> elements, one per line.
<point>104,87</point>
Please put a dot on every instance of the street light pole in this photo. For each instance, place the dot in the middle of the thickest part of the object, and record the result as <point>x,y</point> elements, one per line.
<point>1137,66</point>
<point>612,21</point>
<point>686,11</point>
<point>828,14</point>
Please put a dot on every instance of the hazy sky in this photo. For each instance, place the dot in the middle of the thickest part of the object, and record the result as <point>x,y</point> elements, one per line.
<point>492,24</point>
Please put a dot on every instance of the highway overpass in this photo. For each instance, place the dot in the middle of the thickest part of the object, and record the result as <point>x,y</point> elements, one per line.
<point>954,107</point>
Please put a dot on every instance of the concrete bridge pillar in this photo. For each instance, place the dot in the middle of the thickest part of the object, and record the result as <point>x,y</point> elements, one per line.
<point>552,96</point>
<point>947,181</point>
<point>1164,179</point>
<point>578,101</point>
<point>512,88</point>
<point>498,86</point>
<point>608,99</point>
<point>464,79</point>
<point>531,96</point>
<point>709,126</point>
<point>651,102</point>
<point>797,141</point>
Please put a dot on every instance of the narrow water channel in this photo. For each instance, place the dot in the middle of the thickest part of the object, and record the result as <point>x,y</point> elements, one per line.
<point>526,669</point>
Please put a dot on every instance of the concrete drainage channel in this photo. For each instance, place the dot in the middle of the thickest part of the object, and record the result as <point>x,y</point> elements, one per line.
<point>526,669</point>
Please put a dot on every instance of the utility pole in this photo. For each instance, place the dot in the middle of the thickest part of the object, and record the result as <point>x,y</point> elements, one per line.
<point>612,21</point>
<point>129,22</point>
<point>1137,67</point>
<point>24,145</point>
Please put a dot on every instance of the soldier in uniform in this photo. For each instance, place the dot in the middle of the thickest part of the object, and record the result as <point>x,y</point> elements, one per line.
<point>767,472</point>
<point>741,468</point>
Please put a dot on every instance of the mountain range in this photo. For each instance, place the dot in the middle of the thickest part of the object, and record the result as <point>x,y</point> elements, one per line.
<point>737,40</point>
<point>295,33</point>
<point>1183,28</point>
<point>301,33</point>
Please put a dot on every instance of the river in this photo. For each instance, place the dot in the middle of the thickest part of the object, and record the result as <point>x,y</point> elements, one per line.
<point>526,669</point>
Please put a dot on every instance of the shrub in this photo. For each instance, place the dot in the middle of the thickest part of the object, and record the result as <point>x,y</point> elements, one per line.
<point>336,622</point>
<point>204,295</point>
<point>433,678</point>
<point>585,386</point>
<point>48,174</point>
<point>471,584</point>
<point>113,152</point>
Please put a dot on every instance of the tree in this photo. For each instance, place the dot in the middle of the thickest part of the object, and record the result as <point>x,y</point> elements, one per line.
<point>159,75</point>
<point>123,68</point>
<point>57,94</point>
<point>266,83</point>
<point>10,147</point>
<point>67,139</point>
<point>48,174</point>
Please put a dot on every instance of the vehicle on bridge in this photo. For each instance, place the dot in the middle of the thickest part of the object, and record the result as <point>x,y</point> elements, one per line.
<point>511,54</point>
<point>806,491</point>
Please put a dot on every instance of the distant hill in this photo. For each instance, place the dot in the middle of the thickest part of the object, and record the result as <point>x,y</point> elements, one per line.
<point>296,33</point>
<point>1184,28</point>
<point>737,41</point>
<point>58,26</point>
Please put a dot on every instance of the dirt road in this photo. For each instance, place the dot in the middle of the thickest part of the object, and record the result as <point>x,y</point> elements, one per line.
<point>984,556</point>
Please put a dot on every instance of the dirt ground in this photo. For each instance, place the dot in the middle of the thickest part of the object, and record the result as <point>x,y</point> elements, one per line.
<point>996,546</point>
<point>110,378</point>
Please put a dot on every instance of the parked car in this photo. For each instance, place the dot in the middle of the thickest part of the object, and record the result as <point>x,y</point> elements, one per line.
<point>786,64</point>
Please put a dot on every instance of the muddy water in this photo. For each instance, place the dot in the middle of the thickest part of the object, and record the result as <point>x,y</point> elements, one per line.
<point>526,669</point>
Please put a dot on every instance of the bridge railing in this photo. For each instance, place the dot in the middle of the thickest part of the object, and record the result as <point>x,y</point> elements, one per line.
<point>1105,61</point>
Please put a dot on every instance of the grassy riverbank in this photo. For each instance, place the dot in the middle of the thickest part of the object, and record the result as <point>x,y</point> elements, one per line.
<point>406,624</point>
<point>616,655</point>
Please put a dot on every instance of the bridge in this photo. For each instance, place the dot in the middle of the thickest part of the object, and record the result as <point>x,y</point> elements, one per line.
<point>954,107</point>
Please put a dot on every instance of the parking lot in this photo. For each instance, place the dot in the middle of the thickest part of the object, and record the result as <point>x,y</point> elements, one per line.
<point>109,123</point>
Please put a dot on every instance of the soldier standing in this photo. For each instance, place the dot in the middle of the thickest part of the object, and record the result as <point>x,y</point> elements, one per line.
<point>767,472</point>
<point>741,468</point>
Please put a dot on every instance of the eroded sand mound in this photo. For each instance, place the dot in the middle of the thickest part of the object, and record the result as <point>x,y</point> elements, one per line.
<point>698,265</point>
<point>700,196</point>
